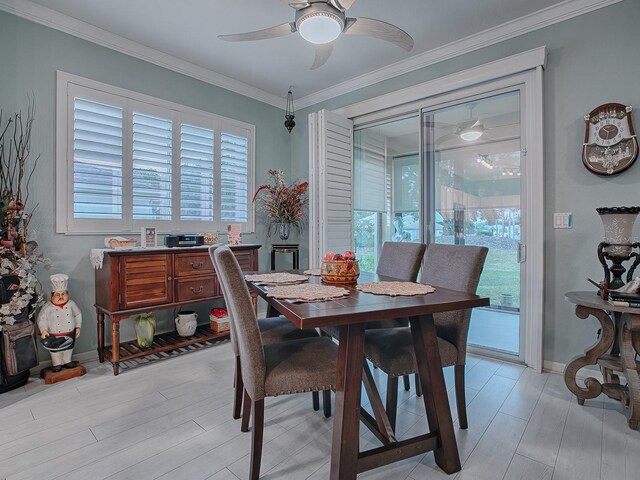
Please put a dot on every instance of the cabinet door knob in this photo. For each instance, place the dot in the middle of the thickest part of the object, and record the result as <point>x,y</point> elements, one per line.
<point>196,290</point>
<point>168,279</point>
<point>196,266</point>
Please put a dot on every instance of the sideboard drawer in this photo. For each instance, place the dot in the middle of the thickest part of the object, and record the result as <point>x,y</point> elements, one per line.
<point>196,288</point>
<point>246,260</point>
<point>189,264</point>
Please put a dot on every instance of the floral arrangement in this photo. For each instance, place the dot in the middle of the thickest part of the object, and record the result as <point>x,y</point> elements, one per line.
<point>21,288</point>
<point>20,291</point>
<point>281,203</point>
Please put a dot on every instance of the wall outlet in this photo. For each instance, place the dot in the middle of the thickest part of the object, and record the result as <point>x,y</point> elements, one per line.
<point>563,220</point>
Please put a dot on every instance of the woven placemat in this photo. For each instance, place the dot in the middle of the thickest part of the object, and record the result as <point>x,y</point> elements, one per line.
<point>307,292</point>
<point>394,289</point>
<point>279,278</point>
<point>314,272</point>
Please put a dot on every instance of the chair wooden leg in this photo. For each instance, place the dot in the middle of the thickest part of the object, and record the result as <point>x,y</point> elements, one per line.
<point>418,386</point>
<point>256,439</point>
<point>238,390</point>
<point>316,401</point>
<point>326,402</point>
<point>246,412</point>
<point>392,401</point>
<point>460,396</point>
<point>407,384</point>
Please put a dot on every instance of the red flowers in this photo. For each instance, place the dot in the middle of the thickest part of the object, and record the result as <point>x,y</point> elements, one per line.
<point>281,203</point>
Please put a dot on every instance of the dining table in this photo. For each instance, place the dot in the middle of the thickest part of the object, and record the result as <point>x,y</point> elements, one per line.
<point>350,314</point>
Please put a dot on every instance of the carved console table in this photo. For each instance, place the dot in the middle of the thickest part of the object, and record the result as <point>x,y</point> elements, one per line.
<point>143,280</point>
<point>613,352</point>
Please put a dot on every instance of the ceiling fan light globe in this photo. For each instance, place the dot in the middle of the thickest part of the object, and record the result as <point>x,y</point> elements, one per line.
<point>470,135</point>
<point>320,27</point>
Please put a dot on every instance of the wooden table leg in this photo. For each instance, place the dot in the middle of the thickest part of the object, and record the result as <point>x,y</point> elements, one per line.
<point>100,318</point>
<point>436,402</point>
<point>346,424</point>
<point>630,326</point>
<point>591,355</point>
<point>115,345</point>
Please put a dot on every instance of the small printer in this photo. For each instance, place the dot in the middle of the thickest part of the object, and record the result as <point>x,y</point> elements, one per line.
<point>184,240</point>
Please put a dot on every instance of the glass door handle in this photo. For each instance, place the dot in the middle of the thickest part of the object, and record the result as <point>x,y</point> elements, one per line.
<point>522,252</point>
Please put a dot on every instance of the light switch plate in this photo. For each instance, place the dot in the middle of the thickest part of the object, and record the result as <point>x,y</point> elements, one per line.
<point>563,220</point>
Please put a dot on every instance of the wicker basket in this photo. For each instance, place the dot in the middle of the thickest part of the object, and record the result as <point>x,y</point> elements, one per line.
<point>219,324</point>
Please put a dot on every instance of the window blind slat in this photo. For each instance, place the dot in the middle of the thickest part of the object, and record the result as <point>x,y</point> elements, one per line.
<point>97,160</point>
<point>196,173</point>
<point>234,163</point>
<point>152,167</point>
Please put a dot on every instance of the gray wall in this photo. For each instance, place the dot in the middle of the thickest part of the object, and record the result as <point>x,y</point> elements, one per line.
<point>593,59</point>
<point>30,54</point>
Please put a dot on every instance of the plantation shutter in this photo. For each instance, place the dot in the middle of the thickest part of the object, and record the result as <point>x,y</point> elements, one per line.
<point>97,160</point>
<point>370,182</point>
<point>196,173</point>
<point>234,177</point>
<point>152,176</point>
<point>331,180</point>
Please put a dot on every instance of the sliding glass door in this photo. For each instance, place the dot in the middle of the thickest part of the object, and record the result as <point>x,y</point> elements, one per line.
<point>387,187</point>
<point>472,154</point>
<point>462,187</point>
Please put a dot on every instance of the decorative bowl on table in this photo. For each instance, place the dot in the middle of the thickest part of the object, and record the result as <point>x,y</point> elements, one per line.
<point>337,268</point>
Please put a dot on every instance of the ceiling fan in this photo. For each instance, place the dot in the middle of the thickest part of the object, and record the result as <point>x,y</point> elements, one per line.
<point>468,130</point>
<point>321,22</point>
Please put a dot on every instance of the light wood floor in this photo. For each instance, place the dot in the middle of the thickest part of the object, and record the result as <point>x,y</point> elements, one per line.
<point>172,420</point>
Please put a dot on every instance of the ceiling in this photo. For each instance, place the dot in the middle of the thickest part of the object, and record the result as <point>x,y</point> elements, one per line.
<point>187,30</point>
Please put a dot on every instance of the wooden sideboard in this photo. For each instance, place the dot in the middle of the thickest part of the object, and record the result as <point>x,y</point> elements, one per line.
<point>137,281</point>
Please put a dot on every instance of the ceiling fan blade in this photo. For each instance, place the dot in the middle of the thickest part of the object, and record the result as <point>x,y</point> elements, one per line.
<point>379,29</point>
<point>472,122</point>
<point>272,32</point>
<point>323,52</point>
<point>297,4</point>
<point>343,4</point>
<point>447,137</point>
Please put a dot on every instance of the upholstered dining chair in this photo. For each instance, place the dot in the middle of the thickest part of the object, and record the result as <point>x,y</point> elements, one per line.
<point>294,366</point>
<point>402,261</point>
<point>272,330</point>
<point>456,267</point>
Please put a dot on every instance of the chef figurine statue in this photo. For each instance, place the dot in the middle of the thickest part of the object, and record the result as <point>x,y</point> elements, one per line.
<point>59,322</point>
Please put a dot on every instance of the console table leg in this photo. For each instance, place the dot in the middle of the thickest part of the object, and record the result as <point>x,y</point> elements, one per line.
<point>100,318</point>
<point>591,355</point>
<point>115,346</point>
<point>630,327</point>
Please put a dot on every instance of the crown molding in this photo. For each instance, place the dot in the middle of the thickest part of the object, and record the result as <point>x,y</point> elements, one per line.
<point>534,21</point>
<point>548,16</point>
<point>58,21</point>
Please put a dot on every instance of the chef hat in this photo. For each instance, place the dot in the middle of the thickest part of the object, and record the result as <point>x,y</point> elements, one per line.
<point>59,282</point>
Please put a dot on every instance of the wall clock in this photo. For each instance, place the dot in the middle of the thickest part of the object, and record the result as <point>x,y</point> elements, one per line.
<point>610,144</point>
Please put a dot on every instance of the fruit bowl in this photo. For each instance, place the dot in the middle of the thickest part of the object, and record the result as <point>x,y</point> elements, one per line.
<point>340,271</point>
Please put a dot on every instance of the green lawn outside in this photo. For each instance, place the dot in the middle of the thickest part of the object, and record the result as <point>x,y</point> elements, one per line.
<point>501,274</point>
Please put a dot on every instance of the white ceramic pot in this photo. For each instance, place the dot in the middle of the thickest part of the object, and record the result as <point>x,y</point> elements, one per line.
<point>186,323</point>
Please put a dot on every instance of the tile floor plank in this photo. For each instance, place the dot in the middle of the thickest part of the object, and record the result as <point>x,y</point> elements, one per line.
<point>620,446</point>
<point>580,451</point>
<point>523,468</point>
<point>492,456</point>
<point>541,439</point>
<point>525,394</point>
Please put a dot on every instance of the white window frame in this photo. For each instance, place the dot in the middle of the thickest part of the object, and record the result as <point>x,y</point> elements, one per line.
<point>68,87</point>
